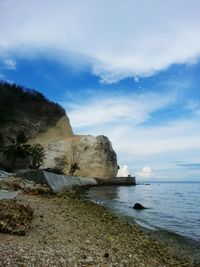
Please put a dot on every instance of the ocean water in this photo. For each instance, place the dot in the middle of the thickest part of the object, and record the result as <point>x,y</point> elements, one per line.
<point>174,207</point>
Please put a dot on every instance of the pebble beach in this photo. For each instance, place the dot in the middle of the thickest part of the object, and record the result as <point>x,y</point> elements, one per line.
<point>68,230</point>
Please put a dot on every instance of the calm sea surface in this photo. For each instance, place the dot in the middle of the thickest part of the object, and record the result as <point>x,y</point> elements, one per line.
<point>171,206</point>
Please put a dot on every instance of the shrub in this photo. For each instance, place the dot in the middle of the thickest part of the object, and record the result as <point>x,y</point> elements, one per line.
<point>38,155</point>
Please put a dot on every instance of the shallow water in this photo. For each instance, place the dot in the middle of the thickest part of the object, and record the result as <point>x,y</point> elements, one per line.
<point>171,206</point>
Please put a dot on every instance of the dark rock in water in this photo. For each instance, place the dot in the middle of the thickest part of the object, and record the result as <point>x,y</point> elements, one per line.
<point>138,206</point>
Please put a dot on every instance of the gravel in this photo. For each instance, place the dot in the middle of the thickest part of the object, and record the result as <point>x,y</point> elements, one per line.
<point>68,230</point>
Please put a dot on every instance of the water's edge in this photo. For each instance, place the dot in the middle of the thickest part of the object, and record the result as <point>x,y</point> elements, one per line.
<point>188,246</point>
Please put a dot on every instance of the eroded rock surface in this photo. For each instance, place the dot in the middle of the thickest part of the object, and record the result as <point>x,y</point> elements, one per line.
<point>94,155</point>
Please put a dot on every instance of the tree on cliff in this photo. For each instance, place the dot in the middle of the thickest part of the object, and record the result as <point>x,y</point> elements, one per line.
<point>38,155</point>
<point>74,160</point>
<point>27,107</point>
<point>73,168</point>
<point>17,148</point>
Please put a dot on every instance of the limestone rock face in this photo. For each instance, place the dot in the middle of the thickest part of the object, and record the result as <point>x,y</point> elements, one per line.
<point>60,131</point>
<point>94,155</point>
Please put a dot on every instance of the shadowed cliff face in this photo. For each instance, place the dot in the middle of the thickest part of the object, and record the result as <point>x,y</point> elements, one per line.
<point>60,131</point>
<point>22,108</point>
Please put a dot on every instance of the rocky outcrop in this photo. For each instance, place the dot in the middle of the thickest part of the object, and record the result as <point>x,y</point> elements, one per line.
<point>94,155</point>
<point>138,206</point>
<point>46,123</point>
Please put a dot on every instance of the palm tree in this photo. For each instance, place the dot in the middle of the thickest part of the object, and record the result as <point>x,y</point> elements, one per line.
<point>75,154</point>
<point>17,148</point>
<point>38,155</point>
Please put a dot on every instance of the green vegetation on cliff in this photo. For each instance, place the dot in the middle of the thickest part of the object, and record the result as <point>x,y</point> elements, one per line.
<point>14,149</point>
<point>22,108</point>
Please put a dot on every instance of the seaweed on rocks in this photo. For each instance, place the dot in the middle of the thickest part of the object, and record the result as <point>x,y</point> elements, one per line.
<point>15,218</point>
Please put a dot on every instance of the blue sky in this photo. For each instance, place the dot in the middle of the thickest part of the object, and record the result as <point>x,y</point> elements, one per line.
<point>126,69</point>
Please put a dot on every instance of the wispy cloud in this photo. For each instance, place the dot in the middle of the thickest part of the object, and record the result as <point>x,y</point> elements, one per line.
<point>190,166</point>
<point>146,172</point>
<point>133,109</point>
<point>194,106</point>
<point>174,136</point>
<point>10,64</point>
<point>120,38</point>
<point>4,78</point>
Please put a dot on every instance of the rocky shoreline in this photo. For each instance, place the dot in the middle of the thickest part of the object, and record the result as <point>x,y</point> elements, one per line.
<point>68,230</point>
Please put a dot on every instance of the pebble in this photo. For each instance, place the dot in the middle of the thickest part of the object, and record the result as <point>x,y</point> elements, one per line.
<point>81,238</point>
<point>89,259</point>
<point>106,255</point>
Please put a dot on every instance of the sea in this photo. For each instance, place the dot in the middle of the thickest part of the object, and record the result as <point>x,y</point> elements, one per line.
<point>173,207</point>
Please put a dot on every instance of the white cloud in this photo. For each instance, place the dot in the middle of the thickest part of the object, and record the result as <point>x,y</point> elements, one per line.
<point>133,109</point>
<point>123,171</point>
<point>176,138</point>
<point>156,174</point>
<point>146,172</point>
<point>10,64</point>
<point>120,38</point>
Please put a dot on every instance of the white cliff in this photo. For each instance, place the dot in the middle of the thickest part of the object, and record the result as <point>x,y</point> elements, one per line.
<point>94,155</point>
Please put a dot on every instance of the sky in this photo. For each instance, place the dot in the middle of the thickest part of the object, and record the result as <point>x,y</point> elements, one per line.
<point>127,69</point>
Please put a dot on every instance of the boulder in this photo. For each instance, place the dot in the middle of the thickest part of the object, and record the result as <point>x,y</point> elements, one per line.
<point>138,206</point>
<point>15,218</point>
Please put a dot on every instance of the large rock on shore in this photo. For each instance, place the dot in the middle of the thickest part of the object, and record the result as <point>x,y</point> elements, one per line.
<point>15,218</point>
<point>94,155</point>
